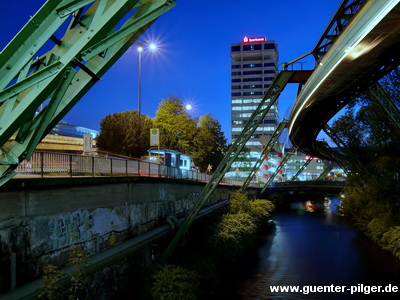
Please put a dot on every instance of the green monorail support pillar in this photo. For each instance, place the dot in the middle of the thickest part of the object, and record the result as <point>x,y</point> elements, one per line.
<point>266,149</point>
<point>92,41</point>
<point>255,119</point>
<point>379,96</point>
<point>327,170</point>
<point>309,159</point>
<point>284,161</point>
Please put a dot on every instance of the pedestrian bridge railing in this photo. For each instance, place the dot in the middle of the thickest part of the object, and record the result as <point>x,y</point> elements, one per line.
<point>46,164</point>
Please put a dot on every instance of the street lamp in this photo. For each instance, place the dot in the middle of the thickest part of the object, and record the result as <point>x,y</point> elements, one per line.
<point>152,47</point>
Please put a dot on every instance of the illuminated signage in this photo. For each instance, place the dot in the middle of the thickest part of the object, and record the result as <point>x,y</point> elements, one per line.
<point>253,40</point>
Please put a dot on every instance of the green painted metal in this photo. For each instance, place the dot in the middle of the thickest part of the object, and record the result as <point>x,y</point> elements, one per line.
<point>31,76</point>
<point>309,159</point>
<point>258,115</point>
<point>378,95</point>
<point>284,161</point>
<point>347,156</point>
<point>266,149</point>
<point>327,170</point>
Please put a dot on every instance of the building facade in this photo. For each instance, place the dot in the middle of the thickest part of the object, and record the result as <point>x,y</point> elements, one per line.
<point>254,65</point>
<point>66,129</point>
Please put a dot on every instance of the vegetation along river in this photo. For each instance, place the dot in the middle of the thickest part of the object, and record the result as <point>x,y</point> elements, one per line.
<point>313,247</point>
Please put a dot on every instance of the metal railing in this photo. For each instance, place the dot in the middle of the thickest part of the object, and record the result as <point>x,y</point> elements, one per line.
<point>47,164</point>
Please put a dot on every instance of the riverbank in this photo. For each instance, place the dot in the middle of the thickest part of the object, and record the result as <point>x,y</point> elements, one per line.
<point>208,262</point>
<point>375,210</point>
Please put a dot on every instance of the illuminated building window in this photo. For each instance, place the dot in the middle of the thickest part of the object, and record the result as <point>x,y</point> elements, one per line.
<point>252,93</point>
<point>253,86</point>
<point>252,66</point>
<point>252,47</point>
<point>237,101</point>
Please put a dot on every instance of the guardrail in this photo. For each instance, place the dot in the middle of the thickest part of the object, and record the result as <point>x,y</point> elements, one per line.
<point>46,164</point>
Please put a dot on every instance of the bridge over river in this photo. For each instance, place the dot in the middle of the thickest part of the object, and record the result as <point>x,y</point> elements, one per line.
<point>359,46</point>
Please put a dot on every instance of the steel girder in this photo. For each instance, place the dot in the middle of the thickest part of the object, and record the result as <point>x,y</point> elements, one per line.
<point>266,149</point>
<point>284,161</point>
<point>327,170</point>
<point>30,77</point>
<point>257,116</point>
<point>347,156</point>
<point>309,159</point>
<point>378,95</point>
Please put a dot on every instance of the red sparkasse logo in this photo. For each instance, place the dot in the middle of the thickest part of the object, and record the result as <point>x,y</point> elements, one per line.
<point>252,40</point>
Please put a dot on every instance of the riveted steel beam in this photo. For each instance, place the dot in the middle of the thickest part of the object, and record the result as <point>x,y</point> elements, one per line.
<point>307,162</point>
<point>327,170</point>
<point>379,96</point>
<point>284,161</point>
<point>31,76</point>
<point>266,149</point>
<point>253,122</point>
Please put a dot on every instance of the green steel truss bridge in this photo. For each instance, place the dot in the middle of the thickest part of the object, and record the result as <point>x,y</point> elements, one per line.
<point>360,45</point>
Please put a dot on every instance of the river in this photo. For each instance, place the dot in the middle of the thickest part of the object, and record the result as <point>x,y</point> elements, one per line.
<point>311,244</point>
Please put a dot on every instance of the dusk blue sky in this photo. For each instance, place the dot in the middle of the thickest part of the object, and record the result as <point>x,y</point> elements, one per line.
<point>193,61</point>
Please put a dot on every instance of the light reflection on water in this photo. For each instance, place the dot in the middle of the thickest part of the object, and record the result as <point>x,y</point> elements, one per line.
<point>312,245</point>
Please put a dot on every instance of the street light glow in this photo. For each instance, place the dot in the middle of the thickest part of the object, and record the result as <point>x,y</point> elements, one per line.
<point>152,47</point>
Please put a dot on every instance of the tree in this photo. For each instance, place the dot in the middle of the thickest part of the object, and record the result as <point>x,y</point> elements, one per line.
<point>210,142</point>
<point>174,119</point>
<point>367,132</point>
<point>125,133</point>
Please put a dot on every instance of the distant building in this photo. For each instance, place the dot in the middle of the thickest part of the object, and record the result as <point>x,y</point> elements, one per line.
<point>170,158</point>
<point>66,129</point>
<point>312,171</point>
<point>254,65</point>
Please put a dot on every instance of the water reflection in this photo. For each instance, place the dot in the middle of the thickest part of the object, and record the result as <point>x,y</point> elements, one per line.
<point>313,245</point>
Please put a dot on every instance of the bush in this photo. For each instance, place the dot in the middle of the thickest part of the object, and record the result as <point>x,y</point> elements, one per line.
<point>238,229</point>
<point>391,240</point>
<point>261,210</point>
<point>175,283</point>
<point>59,285</point>
<point>239,203</point>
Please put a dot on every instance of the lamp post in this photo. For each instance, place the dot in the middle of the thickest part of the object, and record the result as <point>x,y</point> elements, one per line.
<point>140,50</point>
<point>152,47</point>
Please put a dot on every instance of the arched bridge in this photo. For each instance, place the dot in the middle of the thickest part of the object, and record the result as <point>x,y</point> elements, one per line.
<point>350,58</point>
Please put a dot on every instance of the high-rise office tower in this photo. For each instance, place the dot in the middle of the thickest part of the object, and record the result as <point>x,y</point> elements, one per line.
<point>254,66</point>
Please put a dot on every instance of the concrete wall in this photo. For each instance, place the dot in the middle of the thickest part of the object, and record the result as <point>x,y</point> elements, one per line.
<point>40,219</point>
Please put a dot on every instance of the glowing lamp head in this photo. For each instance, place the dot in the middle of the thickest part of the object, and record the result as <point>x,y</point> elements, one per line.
<point>139,48</point>
<point>152,47</point>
